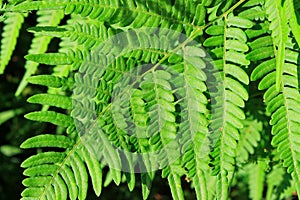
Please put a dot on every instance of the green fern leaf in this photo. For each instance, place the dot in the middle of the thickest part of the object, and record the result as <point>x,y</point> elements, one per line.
<point>50,58</point>
<point>262,69</point>
<point>47,80</point>
<point>175,185</point>
<point>80,174</point>
<point>39,44</point>
<point>68,176</point>
<point>225,129</point>
<point>254,13</point>
<point>256,179</point>
<point>43,158</point>
<point>36,181</point>
<point>119,109</point>
<point>59,101</point>
<point>250,136</point>
<point>165,121</point>
<point>261,53</point>
<point>10,35</point>
<point>146,179</point>
<point>279,106</point>
<point>192,129</point>
<point>293,18</point>
<point>277,15</point>
<point>64,171</point>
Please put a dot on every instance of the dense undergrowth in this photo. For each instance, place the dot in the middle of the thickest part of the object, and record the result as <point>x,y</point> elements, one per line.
<point>199,96</point>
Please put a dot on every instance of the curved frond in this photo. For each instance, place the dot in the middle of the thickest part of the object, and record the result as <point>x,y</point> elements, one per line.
<point>193,129</point>
<point>229,45</point>
<point>282,106</point>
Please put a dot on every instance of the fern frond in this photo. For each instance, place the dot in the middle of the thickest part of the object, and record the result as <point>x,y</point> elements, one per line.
<point>10,34</point>
<point>57,174</point>
<point>277,181</point>
<point>94,169</point>
<point>143,101</point>
<point>257,179</point>
<point>278,24</point>
<point>129,13</point>
<point>64,70</point>
<point>88,34</point>
<point>50,58</point>
<point>193,129</point>
<point>50,116</point>
<point>254,13</point>
<point>211,184</point>
<point>229,47</point>
<point>250,136</point>
<point>283,107</point>
<point>293,18</point>
<point>39,44</point>
<point>146,179</point>
<point>85,88</point>
<point>162,119</point>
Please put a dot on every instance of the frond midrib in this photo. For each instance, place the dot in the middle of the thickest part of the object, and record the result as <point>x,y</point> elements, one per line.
<point>290,138</point>
<point>64,162</point>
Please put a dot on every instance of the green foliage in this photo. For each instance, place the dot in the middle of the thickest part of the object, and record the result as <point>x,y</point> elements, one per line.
<point>39,44</point>
<point>10,35</point>
<point>178,83</point>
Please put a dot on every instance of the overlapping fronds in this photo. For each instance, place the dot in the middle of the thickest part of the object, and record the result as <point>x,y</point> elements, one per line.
<point>281,105</point>
<point>141,86</point>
